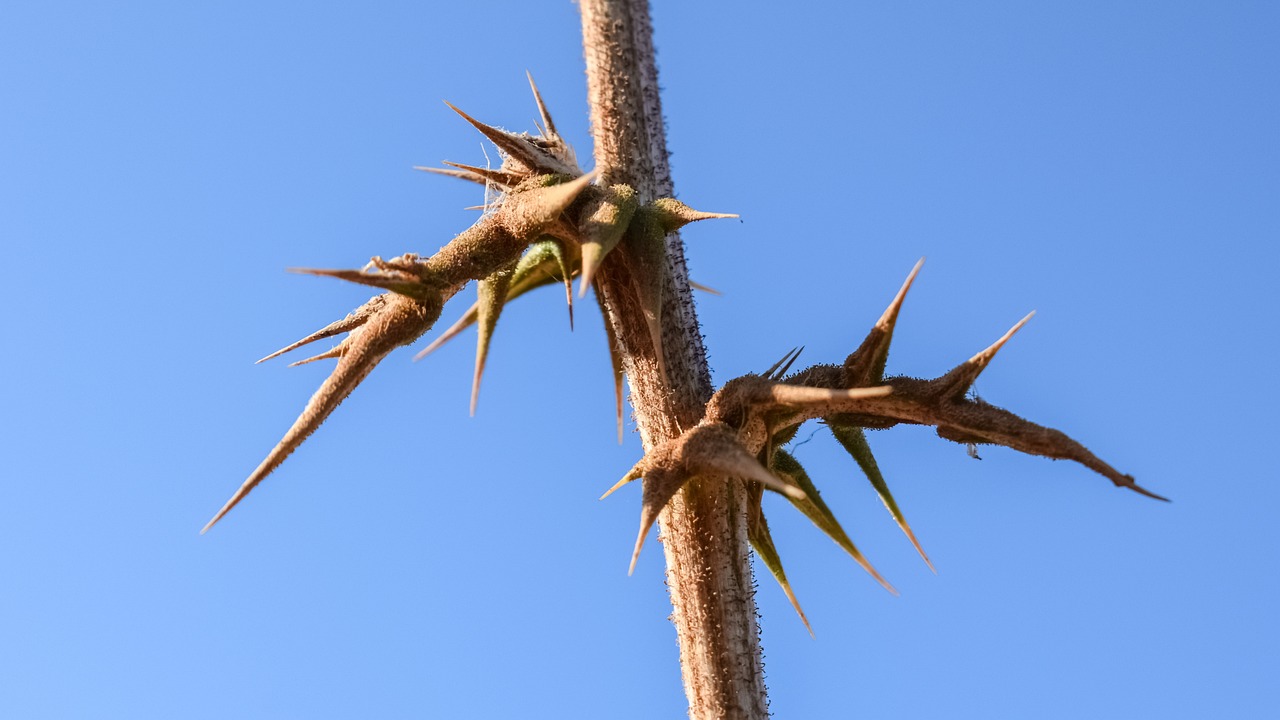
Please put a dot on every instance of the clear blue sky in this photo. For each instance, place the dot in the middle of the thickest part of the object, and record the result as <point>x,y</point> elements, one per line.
<point>1114,166</point>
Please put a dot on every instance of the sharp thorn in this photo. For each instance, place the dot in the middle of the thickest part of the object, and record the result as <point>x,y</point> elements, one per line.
<point>703,288</point>
<point>542,109</point>
<point>332,353</point>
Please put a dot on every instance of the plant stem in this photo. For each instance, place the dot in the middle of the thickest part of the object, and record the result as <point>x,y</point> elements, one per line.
<point>703,530</point>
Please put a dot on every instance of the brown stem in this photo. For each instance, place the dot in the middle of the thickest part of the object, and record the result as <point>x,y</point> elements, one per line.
<point>703,530</point>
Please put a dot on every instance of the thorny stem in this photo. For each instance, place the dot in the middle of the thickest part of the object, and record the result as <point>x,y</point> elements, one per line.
<point>703,530</point>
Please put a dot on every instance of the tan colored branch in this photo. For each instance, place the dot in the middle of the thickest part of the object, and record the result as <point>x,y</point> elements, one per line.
<point>703,529</point>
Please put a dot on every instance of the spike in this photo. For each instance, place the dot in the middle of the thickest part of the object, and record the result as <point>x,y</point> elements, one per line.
<point>635,473</point>
<point>778,369</point>
<point>514,146</point>
<point>493,295</point>
<point>762,541</point>
<point>400,322</point>
<point>703,288</point>
<point>660,485</point>
<point>957,382</point>
<point>335,351</point>
<point>615,359</point>
<point>645,242</point>
<point>673,214</point>
<point>854,441</point>
<point>505,180</point>
<point>454,330</point>
<point>352,321</point>
<point>653,320</point>
<point>865,366</point>
<point>820,514</point>
<point>602,224</point>
<point>550,127</point>
<point>459,174</point>
<point>813,507</point>
<point>714,449</point>
<point>401,283</point>
<point>531,213</point>
<point>557,252</point>
<point>520,149</point>
<point>532,272</point>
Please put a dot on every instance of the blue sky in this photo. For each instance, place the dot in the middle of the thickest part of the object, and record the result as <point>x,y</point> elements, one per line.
<point>1115,167</point>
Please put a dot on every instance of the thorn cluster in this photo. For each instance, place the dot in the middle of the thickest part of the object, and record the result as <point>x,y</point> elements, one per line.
<point>749,420</point>
<point>547,224</point>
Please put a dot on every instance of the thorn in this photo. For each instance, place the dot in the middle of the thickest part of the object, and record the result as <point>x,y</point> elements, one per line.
<point>542,109</point>
<point>502,178</point>
<point>469,177</point>
<point>890,316</point>
<point>660,485</point>
<point>865,366</point>
<point>854,440</point>
<point>352,321</point>
<point>402,283</point>
<point>783,370</point>
<point>773,373</point>
<point>958,381</point>
<point>714,449</point>
<point>462,323</point>
<point>492,298</point>
<point>399,322</point>
<point>703,288</point>
<point>984,357</point>
<point>602,222</point>
<point>654,324</point>
<point>567,277</point>
<point>634,473</point>
<point>673,214</point>
<point>1143,491</point>
<point>615,359</point>
<point>508,143</point>
<point>520,148</point>
<point>762,542</point>
<point>334,352</point>
<point>821,516</point>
